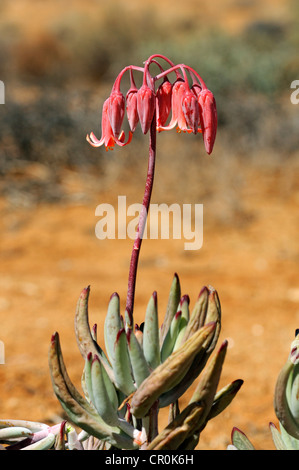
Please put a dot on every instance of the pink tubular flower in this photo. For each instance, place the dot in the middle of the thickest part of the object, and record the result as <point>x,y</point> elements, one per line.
<point>163,102</point>
<point>132,113</point>
<point>108,137</point>
<point>208,118</point>
<point>131,99</point>
<point>116,111</point>
<point>193,106</point>
<point>177,118</point>
<point>146,104</point>
<point>190,109</point>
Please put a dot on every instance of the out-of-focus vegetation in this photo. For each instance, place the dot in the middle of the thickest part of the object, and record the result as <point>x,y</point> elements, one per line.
<point>56,82</point>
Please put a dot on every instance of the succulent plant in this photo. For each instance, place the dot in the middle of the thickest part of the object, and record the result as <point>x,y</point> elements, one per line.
<point>145,369</point>
<point>142,368</point>
<point>286,406</point>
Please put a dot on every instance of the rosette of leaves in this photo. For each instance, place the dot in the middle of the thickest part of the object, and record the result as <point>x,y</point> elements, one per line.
<point>144,369</point>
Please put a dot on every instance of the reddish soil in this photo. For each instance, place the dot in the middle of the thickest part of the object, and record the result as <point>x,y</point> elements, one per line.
<point>50,252</point>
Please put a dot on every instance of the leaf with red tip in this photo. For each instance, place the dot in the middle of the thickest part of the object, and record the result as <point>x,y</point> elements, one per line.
<point>184,307</point>
<point>224,397</point>
<point>80,412</point>
<point>240,440</point>
<point>121,364</point>
<point>84,336</point>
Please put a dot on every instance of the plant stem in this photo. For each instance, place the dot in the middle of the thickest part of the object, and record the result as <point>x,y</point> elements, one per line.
<point>142,217</point>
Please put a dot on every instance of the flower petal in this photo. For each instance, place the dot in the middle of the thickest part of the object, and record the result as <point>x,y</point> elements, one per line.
<point>93,140</point>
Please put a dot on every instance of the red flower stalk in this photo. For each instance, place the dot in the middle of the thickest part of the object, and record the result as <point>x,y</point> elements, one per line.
<point>191,107</point>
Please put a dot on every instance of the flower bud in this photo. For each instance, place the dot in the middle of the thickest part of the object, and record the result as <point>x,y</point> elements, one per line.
<point>145,107</point>
<point>132,113</point>
<point>116,111</point>
<point>208,118</point>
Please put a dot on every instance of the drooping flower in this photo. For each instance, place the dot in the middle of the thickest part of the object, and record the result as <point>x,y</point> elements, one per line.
<point>132,113</point>
<point>208,118</point>
<point>146,103</point>
<point>131,100</point>
<point>116,111</point>
<point>190,109</point>
<point>177,118</point>
<point>163,102</point>
<point>108,137</point>
<point>193,107</point>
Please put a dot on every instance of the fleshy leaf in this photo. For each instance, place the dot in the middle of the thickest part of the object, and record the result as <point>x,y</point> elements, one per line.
<point>101,398</point>
<point>112,325</point>
<point>240,440</point>
<point>170,372</point>
<point>82,413</point>
<point>179,429</point>
<point>151,333</point>
<point>121,364</point>
<point>224,397</point>
<point>171,336</point>
<point>139,364</point>
<point>84,336</point>
<point>173,301</point>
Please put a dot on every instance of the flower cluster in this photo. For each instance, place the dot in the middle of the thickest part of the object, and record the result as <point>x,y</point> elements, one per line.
<point>191,103</point>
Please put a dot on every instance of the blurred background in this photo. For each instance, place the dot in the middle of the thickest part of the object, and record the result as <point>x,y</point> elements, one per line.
<point>58,61</point>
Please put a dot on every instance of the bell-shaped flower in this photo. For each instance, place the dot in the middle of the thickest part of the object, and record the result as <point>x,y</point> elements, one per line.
<point>132,113</point>
<point>131,100</point>
<point>108,137</point>
<point>190,109</point>
<point>208,118</point>
<point>116,111</point>
<point>146,104</point>
<point>178,118</point>
<point>163,102</point>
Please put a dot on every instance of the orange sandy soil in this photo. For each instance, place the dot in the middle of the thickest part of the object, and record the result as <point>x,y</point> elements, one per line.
<point>49,253</point>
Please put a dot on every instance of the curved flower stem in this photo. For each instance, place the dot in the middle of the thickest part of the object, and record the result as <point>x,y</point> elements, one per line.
<point>182,66</point>
<point>142,217</point>
<point>116,84</point>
